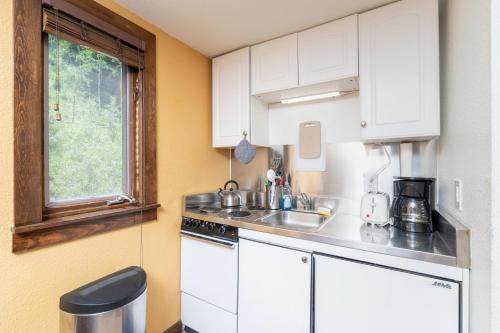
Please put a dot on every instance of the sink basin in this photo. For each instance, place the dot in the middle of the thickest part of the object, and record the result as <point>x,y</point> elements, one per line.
<point>295,220</point>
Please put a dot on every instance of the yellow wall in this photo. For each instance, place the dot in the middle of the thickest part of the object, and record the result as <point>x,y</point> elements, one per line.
<point>31,283</point>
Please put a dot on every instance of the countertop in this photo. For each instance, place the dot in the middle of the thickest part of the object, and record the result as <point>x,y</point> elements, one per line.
<point>447,246</point>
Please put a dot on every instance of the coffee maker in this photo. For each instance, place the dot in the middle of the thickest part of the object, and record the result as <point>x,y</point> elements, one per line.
<point>413,204</point>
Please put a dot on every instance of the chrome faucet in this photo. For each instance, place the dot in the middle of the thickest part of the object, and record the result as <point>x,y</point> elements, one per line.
<point>307,202</point>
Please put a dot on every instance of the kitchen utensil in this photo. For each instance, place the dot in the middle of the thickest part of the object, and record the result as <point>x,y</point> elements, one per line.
<point>310,140</point>
<point>275,162</point>
<point>375,208</point>
<point>280,180</point>
<point>230,198</point>
<point>310,155</point>
<point>265,182</point>
<point>414,204</point>
<point>245,151</point>
<point>271,175</point>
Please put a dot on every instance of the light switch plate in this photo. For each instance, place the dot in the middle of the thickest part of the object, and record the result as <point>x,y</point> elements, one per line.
<point>458,194</point>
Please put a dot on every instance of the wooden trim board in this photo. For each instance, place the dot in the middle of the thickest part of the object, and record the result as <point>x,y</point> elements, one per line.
<point>32,228</point>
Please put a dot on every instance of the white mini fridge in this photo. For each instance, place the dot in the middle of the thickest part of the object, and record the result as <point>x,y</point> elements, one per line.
<point>356,297</point>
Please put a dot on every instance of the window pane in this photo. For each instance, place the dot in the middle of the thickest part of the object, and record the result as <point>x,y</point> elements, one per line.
<point>87,148</point>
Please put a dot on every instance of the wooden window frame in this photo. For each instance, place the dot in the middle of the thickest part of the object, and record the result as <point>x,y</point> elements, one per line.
<point>36,225</point>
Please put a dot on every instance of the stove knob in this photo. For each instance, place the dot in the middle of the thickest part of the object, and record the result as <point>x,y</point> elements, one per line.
<point>211,227</point>
<point>222,229</point>
<point>196,224</point>
<point>187,222</point>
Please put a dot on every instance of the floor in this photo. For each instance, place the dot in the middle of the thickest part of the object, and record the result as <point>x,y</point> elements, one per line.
<point>176,328</point>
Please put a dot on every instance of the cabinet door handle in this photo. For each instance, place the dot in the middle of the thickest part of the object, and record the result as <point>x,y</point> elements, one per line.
<point>304,259</point>
<point>363,124</point>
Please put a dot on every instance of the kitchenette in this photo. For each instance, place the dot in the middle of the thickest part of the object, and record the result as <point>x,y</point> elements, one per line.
<point>252,166</point>
<point>276,271</point>
<point>330,219</point>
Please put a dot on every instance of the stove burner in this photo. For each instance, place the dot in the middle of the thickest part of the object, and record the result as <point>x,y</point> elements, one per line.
<point>239,213</point>
<point>256,208</point>
<point>210,209</point>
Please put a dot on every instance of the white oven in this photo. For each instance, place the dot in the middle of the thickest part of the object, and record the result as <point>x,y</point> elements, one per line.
<point>209,277</point>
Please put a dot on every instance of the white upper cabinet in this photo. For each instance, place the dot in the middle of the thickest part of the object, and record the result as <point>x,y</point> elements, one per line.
<point>231,97</point>
<point>329,52</point>
<point>399,71</point>
<point>274,65</point>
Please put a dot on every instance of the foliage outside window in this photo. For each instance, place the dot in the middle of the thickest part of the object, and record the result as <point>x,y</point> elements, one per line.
<point>87,148</point>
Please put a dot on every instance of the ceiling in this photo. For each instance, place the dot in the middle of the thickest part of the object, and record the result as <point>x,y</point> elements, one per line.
<point>214,27</point>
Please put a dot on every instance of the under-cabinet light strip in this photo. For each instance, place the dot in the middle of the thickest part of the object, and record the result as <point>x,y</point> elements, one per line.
<point>316,97</point>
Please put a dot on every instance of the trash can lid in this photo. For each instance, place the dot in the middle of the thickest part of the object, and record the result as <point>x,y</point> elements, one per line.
<point>107,293</point>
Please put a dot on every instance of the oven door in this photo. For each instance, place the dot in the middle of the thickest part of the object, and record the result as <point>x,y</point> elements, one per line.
<point>209,270</point>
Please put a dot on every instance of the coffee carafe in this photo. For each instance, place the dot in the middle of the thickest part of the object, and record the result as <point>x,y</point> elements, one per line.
<point>413,204</point>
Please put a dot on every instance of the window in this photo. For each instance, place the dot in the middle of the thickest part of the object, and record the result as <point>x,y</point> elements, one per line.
<point>87,147</point>
<point>84,118</point>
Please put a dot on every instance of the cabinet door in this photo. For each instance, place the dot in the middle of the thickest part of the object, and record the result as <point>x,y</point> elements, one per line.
<point>329,52</point>
<point>231,97</point>
<point>399,71</point>
<point>274,65</point>
<point>352,297</point>
<point>274,289</point>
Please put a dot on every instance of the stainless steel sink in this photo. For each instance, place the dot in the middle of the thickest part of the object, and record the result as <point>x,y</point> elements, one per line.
<point>295,220</point>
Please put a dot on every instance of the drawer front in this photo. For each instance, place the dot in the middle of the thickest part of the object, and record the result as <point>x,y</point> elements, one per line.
<point>206,318</point>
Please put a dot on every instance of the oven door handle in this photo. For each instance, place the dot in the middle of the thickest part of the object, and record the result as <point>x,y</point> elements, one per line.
<point>212,241</point>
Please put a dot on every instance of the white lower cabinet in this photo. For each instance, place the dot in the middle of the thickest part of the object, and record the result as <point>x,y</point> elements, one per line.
<point>274,289</point>
<point>354,297</point>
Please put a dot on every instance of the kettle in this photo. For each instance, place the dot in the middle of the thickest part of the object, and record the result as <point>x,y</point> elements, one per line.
<point>230,198</point>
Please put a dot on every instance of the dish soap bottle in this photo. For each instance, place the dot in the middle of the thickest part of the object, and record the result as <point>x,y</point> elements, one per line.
<point>286,197</point>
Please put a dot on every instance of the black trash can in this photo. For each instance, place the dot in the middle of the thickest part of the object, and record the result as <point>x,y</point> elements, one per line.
<point>113,304</point>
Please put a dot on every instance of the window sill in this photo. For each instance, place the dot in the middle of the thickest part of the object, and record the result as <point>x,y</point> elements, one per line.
<point>61,229</point>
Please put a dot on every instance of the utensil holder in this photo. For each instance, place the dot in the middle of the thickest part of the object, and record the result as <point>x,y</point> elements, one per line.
<point>273,196</point>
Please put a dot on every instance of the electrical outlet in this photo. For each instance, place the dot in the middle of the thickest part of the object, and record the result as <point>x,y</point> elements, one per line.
<point>458,194</point>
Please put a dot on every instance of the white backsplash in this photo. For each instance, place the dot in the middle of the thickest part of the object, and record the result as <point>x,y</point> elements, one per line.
<point>345,165</point>
<point>339,120</point>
